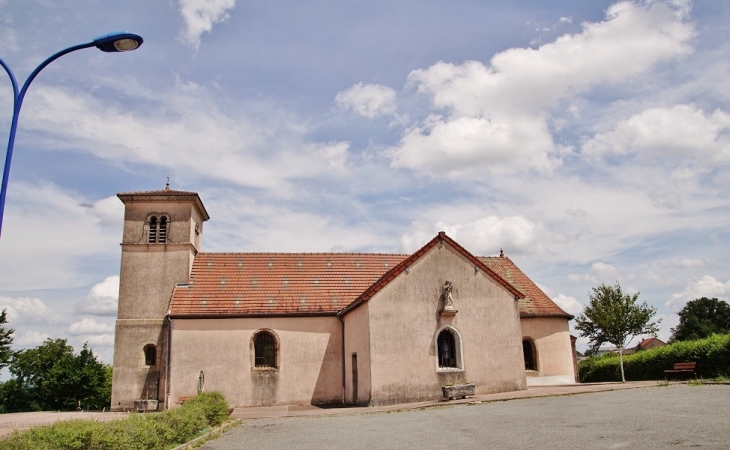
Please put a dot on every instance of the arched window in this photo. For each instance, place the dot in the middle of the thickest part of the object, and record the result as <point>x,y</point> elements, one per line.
<point>153,230</point>
<point>265,350</point>
<point>150,355</point>
<point>530,353</point>
<point>158,228</point>
<point>162,234</point>
<point>447,349</point>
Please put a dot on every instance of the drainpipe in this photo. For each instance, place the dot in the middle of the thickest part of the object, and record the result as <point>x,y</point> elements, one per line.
<point>342,321</point>
<point>169,363</point>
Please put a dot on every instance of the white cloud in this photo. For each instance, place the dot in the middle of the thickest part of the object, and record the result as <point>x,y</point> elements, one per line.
<point>186,128</point>
<point>200,16</point>
<point>481,236</point>
<point>89,326</point>
<point>369,100</point>
<point>495,118</point>
<point>682,133</point>
<point>568,304</point>
<point>600,273</point>
<point>101,300</point>
<point>707,286</point>
<point>75,230</point>
<point>101,343</point>
<point>25,310</point>
<point>30,339</point>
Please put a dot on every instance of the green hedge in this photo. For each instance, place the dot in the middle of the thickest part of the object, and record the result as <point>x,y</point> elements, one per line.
<point>711,354</point>
<point>139,431</point>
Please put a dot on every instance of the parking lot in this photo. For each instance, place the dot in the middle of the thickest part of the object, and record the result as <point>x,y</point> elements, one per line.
<point>660,417</point>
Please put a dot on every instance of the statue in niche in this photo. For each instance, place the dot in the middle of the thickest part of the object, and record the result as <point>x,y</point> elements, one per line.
<point>448,299</point>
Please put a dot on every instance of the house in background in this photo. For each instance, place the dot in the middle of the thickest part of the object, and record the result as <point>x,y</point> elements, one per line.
<point>301,328</point>
<point>645,344</point>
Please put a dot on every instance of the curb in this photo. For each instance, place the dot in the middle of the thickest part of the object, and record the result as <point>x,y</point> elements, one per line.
<point>221,428</point>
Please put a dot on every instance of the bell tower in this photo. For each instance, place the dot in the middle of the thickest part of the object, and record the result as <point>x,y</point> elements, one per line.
<point>162,234</point>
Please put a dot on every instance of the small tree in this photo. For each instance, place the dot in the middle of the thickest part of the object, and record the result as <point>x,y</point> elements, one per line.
<point>702,317</point>
<point>614,317</point>
<point>6,338</point>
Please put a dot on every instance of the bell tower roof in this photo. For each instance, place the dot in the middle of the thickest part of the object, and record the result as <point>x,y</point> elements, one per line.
<point>163,195</point>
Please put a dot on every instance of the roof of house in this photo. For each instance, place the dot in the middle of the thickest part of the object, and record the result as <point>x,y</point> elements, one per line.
<point>266,284</point>
<point>650,340</point>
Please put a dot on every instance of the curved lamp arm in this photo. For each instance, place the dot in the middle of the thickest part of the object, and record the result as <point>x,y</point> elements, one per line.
<point>112,42</point>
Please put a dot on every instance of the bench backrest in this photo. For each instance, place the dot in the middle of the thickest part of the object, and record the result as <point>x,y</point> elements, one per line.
<point>685,366</point>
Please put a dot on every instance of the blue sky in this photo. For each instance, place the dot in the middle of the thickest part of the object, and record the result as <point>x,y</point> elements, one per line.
<point>589,140</point>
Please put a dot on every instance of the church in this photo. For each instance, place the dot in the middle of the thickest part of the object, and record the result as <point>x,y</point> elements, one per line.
<point>320,328</point>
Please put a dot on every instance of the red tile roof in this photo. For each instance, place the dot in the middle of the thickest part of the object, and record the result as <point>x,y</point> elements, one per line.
<point>265,284</point>
<point>535,302</point>
<point>245,284</point>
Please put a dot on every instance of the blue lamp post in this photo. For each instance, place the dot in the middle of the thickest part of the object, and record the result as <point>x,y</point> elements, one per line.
<point>112,42</point>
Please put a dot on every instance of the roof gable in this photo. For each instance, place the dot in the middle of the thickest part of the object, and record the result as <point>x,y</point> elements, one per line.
<point>535,303</point>
<point>440,238</point>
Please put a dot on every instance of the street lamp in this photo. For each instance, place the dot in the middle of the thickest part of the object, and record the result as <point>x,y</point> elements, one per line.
<point>112,42</point>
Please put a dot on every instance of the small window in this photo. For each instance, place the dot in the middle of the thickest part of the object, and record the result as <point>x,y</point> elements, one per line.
<point>528,350</point>
<point>162,234</point>
<point>153,230</point>
<point>158,228</point>
<point>150,355</point>
<point>447,349</point>
<point>265,350</point>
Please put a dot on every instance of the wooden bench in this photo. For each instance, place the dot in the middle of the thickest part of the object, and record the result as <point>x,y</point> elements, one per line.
<point>183,398</point>
<point>682,369</point>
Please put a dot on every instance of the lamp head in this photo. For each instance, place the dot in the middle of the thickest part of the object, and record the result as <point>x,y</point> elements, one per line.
<point>120,41</point>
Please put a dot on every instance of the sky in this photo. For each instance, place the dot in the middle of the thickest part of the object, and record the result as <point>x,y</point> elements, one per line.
<point>588,140</point>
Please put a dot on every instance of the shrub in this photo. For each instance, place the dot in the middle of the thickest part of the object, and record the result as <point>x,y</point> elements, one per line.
<point>711,354</point>
<point>139,431</point>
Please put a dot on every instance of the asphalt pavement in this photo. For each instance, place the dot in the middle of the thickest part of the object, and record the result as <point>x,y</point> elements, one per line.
<point>653,417</point>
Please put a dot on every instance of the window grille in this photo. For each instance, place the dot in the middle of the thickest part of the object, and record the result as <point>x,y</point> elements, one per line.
<point>265,350</point>
<point>447,349</point>
<point>153,230</point>
<point>162,236</point>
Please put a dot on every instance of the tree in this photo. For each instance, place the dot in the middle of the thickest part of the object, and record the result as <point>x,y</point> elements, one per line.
<point>52,377</point>
<point>702,317</point>
<point>6,338</point>
<point>614,317</point>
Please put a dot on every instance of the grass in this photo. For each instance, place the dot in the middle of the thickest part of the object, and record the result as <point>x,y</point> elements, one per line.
<point>157,431</point>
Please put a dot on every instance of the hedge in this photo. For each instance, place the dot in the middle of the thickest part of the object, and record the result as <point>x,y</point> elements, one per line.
<point>711,354</point>
<point>140,431</point>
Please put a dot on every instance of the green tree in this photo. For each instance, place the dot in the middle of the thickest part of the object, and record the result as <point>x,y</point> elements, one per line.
<point>701,318</point>
<point>51,377</point>
<point>613,317</point>
<point>6,338</point>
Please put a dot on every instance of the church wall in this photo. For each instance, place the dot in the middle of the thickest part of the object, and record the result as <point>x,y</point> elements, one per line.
<point>357,340</point>
<point>405,322</point>
<point>551,336</point>
<point>309,360</point>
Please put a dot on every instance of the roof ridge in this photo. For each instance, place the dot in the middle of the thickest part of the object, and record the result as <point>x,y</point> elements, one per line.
<point>302,253</point>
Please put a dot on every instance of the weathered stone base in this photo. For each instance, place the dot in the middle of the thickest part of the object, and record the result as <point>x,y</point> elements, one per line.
<point>458,391</point>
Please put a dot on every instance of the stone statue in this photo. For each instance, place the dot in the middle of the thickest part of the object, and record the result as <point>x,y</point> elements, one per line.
<point>448,299</point>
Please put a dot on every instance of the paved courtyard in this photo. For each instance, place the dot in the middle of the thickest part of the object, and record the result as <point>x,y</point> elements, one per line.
<point>661,417</point>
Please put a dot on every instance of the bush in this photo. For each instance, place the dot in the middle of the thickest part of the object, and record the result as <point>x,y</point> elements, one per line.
<point>139,431</point>
<point>711,354</point>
